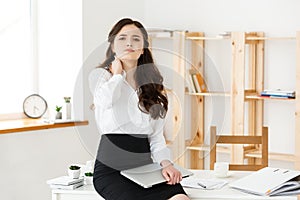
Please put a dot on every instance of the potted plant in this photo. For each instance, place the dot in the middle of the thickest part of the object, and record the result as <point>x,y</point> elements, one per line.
<point>74,171</point>
<point>88,178</point>
<point>58,113</point>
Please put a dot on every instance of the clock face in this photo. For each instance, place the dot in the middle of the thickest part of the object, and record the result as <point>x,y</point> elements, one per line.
<point>34,106</point>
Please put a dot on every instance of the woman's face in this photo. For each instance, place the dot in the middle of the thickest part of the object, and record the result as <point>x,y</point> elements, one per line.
<point>128,43</point>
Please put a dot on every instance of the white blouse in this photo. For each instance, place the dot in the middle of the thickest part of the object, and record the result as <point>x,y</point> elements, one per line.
<point>116,111</point>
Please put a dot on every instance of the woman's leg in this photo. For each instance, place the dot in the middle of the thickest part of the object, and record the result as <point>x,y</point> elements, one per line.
<point>180,197</point>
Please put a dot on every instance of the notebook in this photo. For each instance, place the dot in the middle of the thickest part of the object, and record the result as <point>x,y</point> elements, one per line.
<point>67,187</point>
<point>149,175</point>
<point>64,180</point>
<point>269,182</point>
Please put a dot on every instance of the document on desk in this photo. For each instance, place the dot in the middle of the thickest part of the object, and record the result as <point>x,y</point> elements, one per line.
<point>204,184</point>
<point>270,182</point>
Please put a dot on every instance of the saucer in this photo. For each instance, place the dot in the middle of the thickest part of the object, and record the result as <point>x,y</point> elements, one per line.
<point>223,176</point>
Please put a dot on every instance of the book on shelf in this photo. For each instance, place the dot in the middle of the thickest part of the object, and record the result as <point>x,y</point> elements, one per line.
<point>196,83</point>
<point>64,180</point>
<point>199,83</point>
<point>270,182</point>
<point>279,93</point>
<point>191,85</point>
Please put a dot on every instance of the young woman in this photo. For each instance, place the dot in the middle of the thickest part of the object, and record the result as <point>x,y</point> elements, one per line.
<point>130,107</point>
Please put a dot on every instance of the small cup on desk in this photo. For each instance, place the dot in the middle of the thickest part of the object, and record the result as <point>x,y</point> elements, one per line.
<point>221,169</point>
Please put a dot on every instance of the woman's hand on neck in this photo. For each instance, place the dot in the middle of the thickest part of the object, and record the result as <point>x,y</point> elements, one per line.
<point>116,66</point>
<point>129,66</point>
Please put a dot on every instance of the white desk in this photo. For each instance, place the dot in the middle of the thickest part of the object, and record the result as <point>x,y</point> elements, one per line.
<point>87,192</point>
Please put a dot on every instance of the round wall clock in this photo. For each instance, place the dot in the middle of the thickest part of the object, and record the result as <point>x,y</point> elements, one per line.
<point>34,106</point>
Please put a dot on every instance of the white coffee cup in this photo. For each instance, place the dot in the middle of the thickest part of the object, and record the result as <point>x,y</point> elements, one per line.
<point>221,169</point>
<point>90,165</point>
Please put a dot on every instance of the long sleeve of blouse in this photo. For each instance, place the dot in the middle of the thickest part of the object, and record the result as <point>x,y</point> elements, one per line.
<point>116,111</point>
<point>105,87</point>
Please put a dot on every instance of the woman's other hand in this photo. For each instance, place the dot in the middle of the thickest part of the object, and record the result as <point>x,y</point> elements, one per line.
<point>170,173</point>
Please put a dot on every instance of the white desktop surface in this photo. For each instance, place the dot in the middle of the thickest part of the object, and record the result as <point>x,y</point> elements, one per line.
<point>88,192</point>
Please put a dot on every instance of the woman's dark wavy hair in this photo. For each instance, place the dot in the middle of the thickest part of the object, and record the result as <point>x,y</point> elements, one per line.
<point>152,96</point>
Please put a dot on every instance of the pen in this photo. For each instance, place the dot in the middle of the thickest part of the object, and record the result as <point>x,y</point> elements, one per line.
<point>200,184</point>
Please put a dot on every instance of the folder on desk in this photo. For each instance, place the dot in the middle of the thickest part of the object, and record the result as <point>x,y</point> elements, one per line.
<point>270,182</point>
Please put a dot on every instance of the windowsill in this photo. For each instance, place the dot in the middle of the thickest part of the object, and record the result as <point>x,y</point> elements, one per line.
<point>20,125</point>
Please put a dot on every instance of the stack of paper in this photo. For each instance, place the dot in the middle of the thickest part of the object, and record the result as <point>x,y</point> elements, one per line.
<point>65,182</point>
<point>205,184</point>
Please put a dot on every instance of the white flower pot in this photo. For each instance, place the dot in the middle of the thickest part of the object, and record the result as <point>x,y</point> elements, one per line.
<point>58,115</point>
<point>74,173</point>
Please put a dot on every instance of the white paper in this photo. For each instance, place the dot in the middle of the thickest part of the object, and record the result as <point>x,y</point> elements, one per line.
<point>205,184</point>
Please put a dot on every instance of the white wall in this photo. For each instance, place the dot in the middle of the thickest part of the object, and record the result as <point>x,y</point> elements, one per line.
<point>100,16</point>
<point>272,16</point>
<point>29,159</point>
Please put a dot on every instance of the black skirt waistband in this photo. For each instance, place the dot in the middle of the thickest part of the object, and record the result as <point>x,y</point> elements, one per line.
<point>124,151</point>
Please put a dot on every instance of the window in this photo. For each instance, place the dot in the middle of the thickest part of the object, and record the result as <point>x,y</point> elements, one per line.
<point>16,71</point>
<point>40,50</point>
<point>59,50</point>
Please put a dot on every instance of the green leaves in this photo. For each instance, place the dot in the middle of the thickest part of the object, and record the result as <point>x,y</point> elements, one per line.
<point>58,108</point>
<point>74,167</point>
<point>88,174</point>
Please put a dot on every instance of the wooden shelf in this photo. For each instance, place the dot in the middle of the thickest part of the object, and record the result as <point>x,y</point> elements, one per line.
<point>270,38</point>
<point>253,95</point>
<point>257,97</point>
<point>207,38</point>
<point>20,125</point>
<point>250,38</point>
<point>272,156</point>
<point>227,94</point>
<point>220,149</point>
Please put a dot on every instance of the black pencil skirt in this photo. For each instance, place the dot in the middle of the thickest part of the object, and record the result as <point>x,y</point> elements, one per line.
<point>117,152</point>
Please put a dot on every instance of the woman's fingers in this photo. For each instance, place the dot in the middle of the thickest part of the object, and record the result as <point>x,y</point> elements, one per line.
<point>172,175</point>
<point>116,66</point>
<point>166,175</point>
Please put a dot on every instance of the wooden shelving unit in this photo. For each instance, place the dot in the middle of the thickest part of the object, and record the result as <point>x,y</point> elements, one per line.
<point>239,96</point>
<point>249,97</point>
<point>196,147</point>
